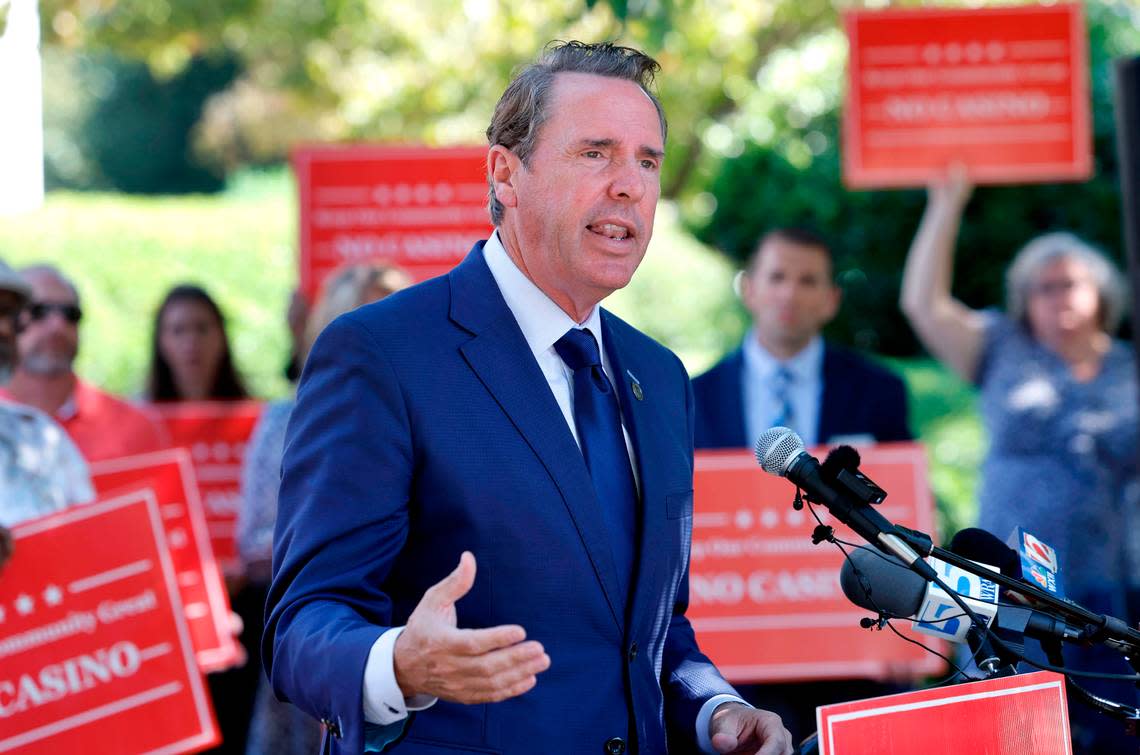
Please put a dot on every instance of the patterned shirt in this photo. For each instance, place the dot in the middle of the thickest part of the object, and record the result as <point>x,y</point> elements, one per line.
<point>1062,461</point>
<point>41,470</point>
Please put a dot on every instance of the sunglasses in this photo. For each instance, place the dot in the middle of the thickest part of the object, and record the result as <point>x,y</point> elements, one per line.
<point>42,310</point>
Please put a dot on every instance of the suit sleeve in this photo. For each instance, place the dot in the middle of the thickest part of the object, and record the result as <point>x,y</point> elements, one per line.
<point>342,520</point>
<point>896,426</point>
<point>688,677</point>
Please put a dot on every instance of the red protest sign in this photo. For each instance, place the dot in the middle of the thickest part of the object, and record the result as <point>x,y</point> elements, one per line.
<point>215,433</point>
<point>1025,713</point>
<point>420,208</point>
<point>1003,91</point>
<point>95,656</point>
<point>764,601</point>
<point>170,476</point>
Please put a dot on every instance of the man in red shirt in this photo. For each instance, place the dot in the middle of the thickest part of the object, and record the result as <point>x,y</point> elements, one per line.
<point>102,426</point>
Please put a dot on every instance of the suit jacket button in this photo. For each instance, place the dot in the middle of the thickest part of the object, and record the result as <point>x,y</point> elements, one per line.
<point>615,746</point>
<point>632,654</point>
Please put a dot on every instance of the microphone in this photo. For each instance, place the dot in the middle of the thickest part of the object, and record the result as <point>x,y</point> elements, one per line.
<point>1030,565</point>
<point>781,452</point>
<point>881,583</point>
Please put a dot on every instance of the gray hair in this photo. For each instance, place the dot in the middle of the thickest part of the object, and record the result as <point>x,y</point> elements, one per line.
<point>1046,249</point>
<point>522,109</point>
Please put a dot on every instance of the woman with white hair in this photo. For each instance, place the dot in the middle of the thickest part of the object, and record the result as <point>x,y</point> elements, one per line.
<point>1058,397</point>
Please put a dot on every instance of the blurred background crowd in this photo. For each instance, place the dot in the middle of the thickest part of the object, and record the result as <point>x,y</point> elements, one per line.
<point>162,264</point>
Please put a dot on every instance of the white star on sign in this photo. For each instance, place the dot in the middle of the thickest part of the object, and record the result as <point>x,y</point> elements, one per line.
<point>53,596</point>
<point>25,605</point>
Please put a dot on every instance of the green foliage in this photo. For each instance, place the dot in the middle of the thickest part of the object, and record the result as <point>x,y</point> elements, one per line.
<point>125,253</point>
<point>138,132</point>
<point>792,177</point>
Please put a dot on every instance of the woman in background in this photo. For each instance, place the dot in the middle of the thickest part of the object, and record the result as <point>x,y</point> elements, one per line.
<point>190,353</point>
<point>1058,398</point>
<point>191,361</point>
<point>279,727</point>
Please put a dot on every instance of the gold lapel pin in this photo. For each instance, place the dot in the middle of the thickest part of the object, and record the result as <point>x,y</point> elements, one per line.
<point>636,387</point>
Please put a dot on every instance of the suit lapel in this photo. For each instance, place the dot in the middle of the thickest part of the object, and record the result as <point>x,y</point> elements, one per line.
<point>733,401</point>
<point>501,358</point>
<point>834,397</point>
<point>644,424</point>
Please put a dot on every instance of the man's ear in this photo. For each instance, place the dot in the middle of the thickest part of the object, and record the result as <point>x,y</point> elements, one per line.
<point>502,167</point>
<point>835,300</point>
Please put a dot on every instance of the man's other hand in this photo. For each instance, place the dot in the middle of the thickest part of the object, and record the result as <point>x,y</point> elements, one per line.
<point>434,657</point>
<point>737,728</point>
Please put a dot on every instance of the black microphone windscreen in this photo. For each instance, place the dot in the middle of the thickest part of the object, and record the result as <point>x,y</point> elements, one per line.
<point>985,548</point>
<point>887,584</point>
<point>840,458</point>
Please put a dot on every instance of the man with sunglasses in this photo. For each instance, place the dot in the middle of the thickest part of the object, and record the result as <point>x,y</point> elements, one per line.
<point>103,426</point>
<point>41,470</point>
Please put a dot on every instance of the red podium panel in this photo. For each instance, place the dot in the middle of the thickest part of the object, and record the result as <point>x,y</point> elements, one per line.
<point>170,476</point>
<point>766,603</point>
<point>215,433</point>
<point>95,656</point>
<point>1015,715</point>
<point>1002,90</point>
<point>421,208</point>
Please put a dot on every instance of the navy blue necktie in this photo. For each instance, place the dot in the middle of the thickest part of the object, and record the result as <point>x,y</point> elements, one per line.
<point>597,416</point>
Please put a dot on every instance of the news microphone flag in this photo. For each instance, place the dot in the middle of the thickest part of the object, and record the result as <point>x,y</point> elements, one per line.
<point>1039,564</point>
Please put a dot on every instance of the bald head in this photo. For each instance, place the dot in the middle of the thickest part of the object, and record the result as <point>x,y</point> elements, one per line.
<point>45,276</point>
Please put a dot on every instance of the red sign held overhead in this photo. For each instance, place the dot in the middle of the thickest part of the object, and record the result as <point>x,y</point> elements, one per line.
<point>170,476</point>
<point>420,208</point>
<point>765,602</point>
<point>215,433</point>
<point>95,656</point>
<point>1004,91</point>
<point>1019,715</point>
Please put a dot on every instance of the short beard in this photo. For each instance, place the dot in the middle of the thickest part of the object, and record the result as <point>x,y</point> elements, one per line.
<point>44,365</point>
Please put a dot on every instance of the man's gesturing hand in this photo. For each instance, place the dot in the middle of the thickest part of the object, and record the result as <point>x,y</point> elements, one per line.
<point>434,657</point>
<point>737,728</point>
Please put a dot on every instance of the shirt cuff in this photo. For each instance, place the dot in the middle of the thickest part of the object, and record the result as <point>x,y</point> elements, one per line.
<point>704,739</point>
<point>384,703</point>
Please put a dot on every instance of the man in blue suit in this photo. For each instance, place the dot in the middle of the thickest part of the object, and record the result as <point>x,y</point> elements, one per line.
<point>785,373</point>
<point>498,416</point>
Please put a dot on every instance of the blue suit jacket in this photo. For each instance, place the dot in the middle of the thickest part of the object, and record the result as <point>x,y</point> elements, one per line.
<point>424,427</point>
<point>859,398</point>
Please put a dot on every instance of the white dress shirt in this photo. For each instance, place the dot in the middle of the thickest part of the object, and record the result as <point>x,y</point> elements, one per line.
<point>542,323</point>
<point>761,405</point>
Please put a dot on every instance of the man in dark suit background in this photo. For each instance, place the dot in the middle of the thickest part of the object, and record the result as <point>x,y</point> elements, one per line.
<point>497,415</point>
<point>785,373</point>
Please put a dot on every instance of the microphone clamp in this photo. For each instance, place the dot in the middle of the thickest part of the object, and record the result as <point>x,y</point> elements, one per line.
<point>821,533</point>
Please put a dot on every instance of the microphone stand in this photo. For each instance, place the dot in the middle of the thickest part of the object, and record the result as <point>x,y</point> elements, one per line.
<point>1108,630</point>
